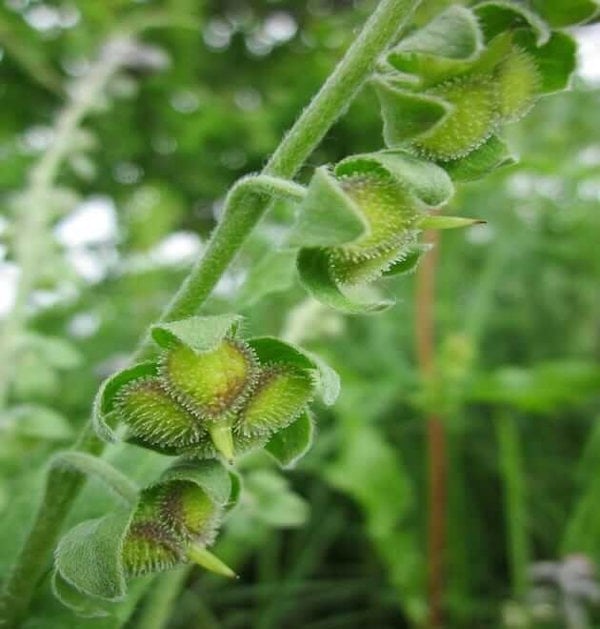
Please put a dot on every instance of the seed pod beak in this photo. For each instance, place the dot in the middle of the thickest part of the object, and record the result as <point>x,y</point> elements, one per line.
<point>222,438</point>
<point>199,555</point>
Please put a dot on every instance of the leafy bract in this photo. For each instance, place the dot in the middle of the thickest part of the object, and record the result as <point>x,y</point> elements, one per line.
<point>289,445</point>
<point>315,276</point>
<point>561,13</point>
<point>88,557</point>
<point>271,350</point>
<point>198,333</point>
<point>327,215</point>
<point>104,404</point>
<point>490,156</point>
<point>453,34</point>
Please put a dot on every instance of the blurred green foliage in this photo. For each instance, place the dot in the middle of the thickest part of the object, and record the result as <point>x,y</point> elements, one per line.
<point>517,307</point>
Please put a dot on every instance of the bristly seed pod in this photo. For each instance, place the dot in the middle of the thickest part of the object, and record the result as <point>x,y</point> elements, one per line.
<point>210,383</point>
<point>391,215</point>
<point>352,272</point>
<point>281,395</point>
<point>148,547</point>
<point>387,210</point>
<point>517,85</point>
<point>188,400</point>
<point>468,125</point>
<point>153,416</point>
<point>189,512</point>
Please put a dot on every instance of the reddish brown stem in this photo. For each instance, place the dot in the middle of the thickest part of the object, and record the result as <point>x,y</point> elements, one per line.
<point>436,439</point>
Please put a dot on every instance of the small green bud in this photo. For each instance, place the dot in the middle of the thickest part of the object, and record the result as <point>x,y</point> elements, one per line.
<point>209,383</point>
<point>149,547</point>
<point>518,82</point>
<point>280,396</point>
<point>468,125</point>
<point>154,417</point>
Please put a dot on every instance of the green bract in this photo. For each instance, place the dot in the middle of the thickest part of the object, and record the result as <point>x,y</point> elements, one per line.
<point>210,392</point>
<point>361,220</point>
<point>446,90</point>
<point>172,522</point>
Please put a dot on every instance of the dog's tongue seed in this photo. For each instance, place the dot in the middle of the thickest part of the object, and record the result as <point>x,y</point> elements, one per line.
<point>148,547</point>
<point>154,417</point>
<point>209,383</point>
<point>189,511</point>
<point>386,208</point>
<point>470,123</point>
<point>281,394</point>
<point>518,82</point>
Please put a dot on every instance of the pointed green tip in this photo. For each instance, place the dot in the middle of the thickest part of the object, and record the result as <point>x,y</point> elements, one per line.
<point>222,438</point>
<point>433,221</point>
<point>204,558</point>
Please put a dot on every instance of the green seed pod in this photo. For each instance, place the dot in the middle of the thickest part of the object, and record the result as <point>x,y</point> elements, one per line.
<point>518,82</point>
<point>471,122</point>
<point>154,417</point>
<point>366,270</point>
<point>210,383</point>
<point>149,547</point>
<point>387,209</point>
<point>189,512</point>
<point>390,214</point>
<point>281,395</point>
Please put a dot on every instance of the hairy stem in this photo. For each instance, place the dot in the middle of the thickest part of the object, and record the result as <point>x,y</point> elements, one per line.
<point>436,437</point>
<point>327,106</point>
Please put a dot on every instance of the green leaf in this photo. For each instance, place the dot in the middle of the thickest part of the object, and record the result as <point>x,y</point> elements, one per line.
<point>543,389</point>
<point>270,349</point>
<point>407,115</point>
<point>313,267</point>
<point>434,221</point>
<point>327,216</point>
<point>424,180</point>
<point>454,34</point>
<point>105,398</point>
<point>490,156</point>
<point>37,422</point>
<point>199,333</point>
<point>561,13</point>
<point>289,445</point>
<point>274,272</point>
<point>556,60</point>
<point>211,476</point>
<point>273,350</point>
<point>498,16</point>
<point>88,557</point>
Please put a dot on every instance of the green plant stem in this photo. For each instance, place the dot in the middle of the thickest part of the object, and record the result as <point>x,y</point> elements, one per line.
<point>88,465</point>
<point>314,122</point>
<point>511,466</point>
